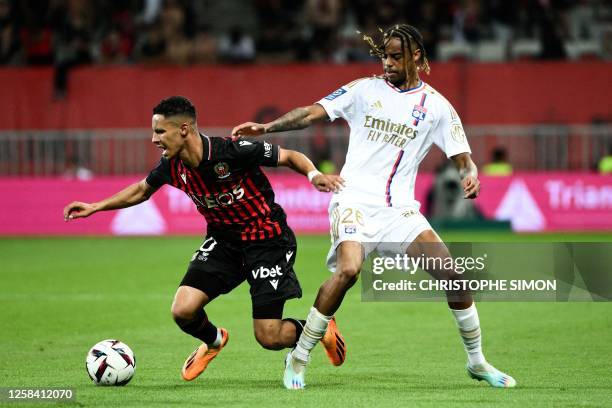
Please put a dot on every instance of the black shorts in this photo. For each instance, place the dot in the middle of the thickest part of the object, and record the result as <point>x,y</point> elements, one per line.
<point>219,265</point>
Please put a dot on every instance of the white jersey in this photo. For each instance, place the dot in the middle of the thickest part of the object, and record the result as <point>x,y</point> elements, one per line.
<point>391,132</point>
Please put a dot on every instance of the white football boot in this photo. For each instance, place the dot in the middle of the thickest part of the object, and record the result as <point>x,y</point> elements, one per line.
<point>495,378</point>
<point>294,373</point>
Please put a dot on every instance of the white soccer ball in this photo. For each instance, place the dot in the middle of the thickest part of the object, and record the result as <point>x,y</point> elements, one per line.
<point>110,362</point>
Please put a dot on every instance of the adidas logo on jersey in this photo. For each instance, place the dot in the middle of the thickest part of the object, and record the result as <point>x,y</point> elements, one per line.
<point>376,105</point>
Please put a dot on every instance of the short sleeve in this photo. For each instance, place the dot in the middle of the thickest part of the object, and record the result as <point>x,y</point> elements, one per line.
<point>448,133</point>
<point>251,152</point>
<point>341,102</point>
<point>160,175</point>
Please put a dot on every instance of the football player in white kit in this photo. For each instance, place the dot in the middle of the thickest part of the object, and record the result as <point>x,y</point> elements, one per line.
<point>394,120</point>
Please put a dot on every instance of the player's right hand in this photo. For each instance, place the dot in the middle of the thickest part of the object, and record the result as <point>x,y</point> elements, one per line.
<point>77,209</point>
<point>328,183</point>
<point>248,129</point>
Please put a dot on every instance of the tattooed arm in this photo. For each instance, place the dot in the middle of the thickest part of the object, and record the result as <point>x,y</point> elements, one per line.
<point>298,118</point>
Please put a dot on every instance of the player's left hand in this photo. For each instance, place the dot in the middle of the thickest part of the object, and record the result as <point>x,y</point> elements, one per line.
<point>471,187</point>
<point>248,129</point>
<point>328,182</point>
<point>77,209</point>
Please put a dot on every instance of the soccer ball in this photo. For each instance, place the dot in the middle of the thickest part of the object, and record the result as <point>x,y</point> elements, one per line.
<point>110,362</point>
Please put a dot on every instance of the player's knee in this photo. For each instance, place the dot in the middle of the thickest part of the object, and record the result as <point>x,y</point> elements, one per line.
<point>182,313</point>
<point>348,274</point>
<point>269,339</point>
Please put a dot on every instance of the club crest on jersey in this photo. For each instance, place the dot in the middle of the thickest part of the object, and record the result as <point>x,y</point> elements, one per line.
<point>458,134</point>
<point>335,94</point>
<point>222,170</point>
<point>419,112</point>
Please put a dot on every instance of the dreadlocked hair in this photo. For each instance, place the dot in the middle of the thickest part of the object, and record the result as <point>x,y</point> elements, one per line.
<point>411,40</point>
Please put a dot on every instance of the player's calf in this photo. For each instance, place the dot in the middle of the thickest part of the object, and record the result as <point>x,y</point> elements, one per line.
<point>197,325</point>
<point>276,334</point>
<point>269,341</point>
<point>332,291</point>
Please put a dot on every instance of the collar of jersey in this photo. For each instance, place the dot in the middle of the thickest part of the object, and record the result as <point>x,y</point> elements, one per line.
<point>206,143</point>
<point>409,90</point>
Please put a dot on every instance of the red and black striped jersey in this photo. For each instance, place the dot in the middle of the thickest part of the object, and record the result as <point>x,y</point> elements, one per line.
<point>228,187</point>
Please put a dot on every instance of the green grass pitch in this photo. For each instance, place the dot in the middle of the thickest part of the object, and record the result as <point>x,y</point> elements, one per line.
<point>59,296</point>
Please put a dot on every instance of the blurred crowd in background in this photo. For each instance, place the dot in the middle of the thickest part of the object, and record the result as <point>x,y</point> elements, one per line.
<point>66,33</point>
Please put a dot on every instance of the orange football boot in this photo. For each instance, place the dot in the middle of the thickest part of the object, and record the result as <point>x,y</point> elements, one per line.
<point>197,362</point>
<point>334,345</point>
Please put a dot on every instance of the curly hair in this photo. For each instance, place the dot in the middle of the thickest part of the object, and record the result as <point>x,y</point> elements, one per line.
<point>411,39</point>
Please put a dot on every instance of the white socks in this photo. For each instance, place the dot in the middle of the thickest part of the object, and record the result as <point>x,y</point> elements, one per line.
<point>469,329</point>
<point>467,321</point>
<point>217,341</point>
<point>314,330</point>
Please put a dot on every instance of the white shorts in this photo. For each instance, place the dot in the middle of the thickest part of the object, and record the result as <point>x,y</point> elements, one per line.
<point>389,230</point>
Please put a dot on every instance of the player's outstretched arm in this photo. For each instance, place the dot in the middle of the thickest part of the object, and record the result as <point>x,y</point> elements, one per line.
<point>298,118</point>
<point>302,164</point>
<point>129,196</point>
<point>469,174</point>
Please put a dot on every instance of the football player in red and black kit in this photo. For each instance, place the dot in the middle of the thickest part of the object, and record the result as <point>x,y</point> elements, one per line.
<point>247,238</point>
